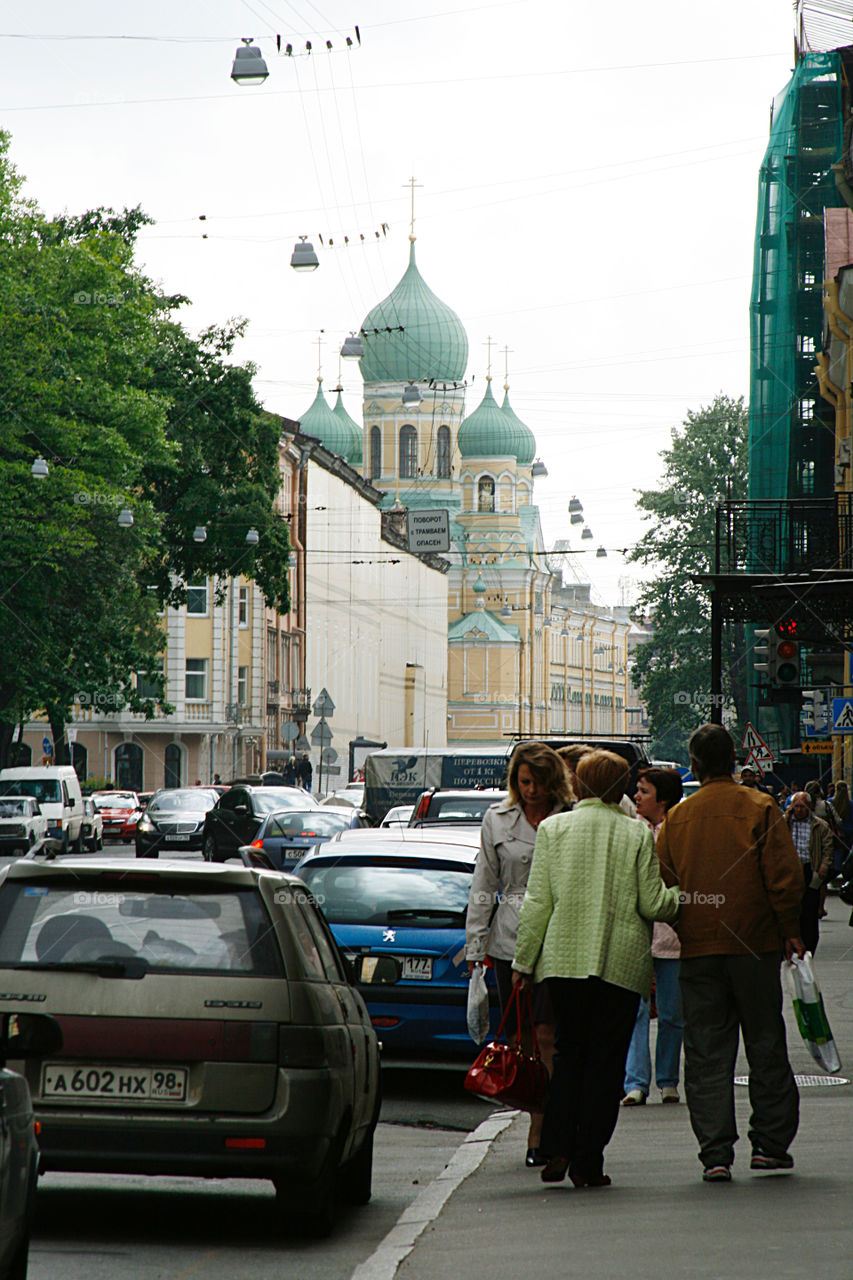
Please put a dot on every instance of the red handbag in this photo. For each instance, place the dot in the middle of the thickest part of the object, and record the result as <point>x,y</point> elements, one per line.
<point>504,1072</point>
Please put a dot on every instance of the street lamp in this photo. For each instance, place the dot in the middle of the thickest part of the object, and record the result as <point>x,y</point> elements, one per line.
<point>411,394</point>
<point>253,537</point>
<point>39,468</point>
<point>249,66</point>
<point>125,518</point>
<point>303,257</point>
<point>199,533</point>
<point>353,348</point>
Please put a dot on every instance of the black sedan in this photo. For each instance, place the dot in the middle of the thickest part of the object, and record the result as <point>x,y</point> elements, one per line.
<point>236,817</point>
<point>286,837</point>
<point>174,819</point>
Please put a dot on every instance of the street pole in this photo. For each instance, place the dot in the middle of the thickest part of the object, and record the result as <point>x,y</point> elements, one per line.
<point>716,658</point>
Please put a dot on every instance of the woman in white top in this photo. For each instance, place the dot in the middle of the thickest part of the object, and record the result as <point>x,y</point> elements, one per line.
<point>538,786</point>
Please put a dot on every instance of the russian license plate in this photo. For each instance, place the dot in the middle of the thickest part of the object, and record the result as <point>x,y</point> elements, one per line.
<point>417,967</point>
<point>176,838</point>
<point>124,1084</point>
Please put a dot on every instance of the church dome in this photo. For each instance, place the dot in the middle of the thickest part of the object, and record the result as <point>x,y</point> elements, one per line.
<point>356,457</point>
<point>433,344</point>
<point>525,449</point>
<point>333,432</point>
<point>488,432</point>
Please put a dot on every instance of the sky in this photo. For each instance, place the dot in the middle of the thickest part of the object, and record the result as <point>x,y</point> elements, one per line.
<point>586,194</point>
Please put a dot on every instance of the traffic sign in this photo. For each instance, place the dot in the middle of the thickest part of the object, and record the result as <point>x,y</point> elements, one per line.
<point>754,743</point>
<point>330,755</point>
<point>428,530</point>
<point>842,715</point>
<point>321,734</point>
<point>324,707</point>
<point>816,747</point>
<point>762,763</point>
<point>47,746</point>
<point>290,730</point>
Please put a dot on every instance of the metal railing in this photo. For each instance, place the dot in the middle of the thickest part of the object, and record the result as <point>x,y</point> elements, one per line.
<point>797,535</point>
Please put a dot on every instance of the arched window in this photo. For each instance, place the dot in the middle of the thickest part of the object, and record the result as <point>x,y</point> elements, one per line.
<point>129,766</point>
<point>408,453</point>
<point>375,453</point>
<point>442,453</point>
<point>172,777</point>
<point>486,494</point>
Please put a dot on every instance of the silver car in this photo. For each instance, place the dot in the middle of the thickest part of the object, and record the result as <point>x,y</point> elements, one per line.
<point>211,1026</point>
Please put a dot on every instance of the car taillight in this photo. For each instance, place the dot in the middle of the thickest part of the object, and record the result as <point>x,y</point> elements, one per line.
<point>423,806</point>
<point>256,844</point>
<point>246,1144</point>
<point>384,1022</point>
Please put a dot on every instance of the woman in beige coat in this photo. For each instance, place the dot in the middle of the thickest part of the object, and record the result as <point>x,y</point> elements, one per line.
<point>538,786</point>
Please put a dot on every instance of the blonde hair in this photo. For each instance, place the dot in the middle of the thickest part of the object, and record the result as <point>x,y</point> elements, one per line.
<point>546,767</point>
<point>572,753</point>
<point>602,775</point>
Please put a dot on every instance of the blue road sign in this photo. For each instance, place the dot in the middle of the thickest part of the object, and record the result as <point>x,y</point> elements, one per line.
<point>842,715</point>
<point>47,746</point>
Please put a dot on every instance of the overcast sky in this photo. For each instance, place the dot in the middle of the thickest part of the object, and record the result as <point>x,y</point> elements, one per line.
<point>588,200</point>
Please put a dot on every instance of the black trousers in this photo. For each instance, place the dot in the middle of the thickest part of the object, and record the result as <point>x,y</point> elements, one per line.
<point>722,996</point>
<point>810,912</point>
<point>595,1022</point>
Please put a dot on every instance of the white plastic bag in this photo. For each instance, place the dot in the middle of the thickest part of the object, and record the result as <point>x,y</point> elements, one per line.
<point>478,1005</point>
<point>810,1013</point>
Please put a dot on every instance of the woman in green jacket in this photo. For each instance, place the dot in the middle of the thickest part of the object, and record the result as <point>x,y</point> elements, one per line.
<point>586,927</point>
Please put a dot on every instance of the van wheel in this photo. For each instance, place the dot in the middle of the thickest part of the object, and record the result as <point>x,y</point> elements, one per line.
<point>76,846</point>
<point>309,1211</point>
<point>357,1174</point>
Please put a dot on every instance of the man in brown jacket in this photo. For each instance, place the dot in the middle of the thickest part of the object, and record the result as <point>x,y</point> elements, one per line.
<point>729,850</point>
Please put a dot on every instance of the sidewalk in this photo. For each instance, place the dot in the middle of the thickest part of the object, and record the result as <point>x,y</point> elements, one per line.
<point>659,1219</point>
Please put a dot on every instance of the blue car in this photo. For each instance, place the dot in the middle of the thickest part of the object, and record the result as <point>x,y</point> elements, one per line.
<point>286,837</point>
<point>407,898</point>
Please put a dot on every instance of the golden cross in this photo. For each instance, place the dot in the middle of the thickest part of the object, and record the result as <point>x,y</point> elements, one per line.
<point>413,183</point>
<point>320,355</point>
<point>488,343</point>
<point>507,354</point>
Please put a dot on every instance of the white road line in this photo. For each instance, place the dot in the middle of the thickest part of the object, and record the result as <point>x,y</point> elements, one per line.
<point>425,1208</point>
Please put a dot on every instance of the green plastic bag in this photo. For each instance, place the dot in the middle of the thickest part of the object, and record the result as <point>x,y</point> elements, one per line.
<point>810,1013</point>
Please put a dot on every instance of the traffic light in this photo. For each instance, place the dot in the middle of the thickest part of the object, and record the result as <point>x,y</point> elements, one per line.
<point>762,650</point>
<point>815,713</point>
<point>786,665</point>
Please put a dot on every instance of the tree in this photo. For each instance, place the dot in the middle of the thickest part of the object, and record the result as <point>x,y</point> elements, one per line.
<point>129,411</point>
<point>706,464</point>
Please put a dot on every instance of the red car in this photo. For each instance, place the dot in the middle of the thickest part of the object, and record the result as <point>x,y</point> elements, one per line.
<point>120,811</point>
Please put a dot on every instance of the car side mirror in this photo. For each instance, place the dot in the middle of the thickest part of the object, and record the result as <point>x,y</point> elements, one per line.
<point>375,970</point>
<point>28,1035</point>
<point>241,808</point>
<point>69,803</point>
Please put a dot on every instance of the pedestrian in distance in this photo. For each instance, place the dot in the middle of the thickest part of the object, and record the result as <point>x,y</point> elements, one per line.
<point>585,929</point>
<point>815,848</point>
<point>305,772</point>
<point>291,772</point>
<point>657,791</point>
<point>537,786</point>
<point>729,850</point>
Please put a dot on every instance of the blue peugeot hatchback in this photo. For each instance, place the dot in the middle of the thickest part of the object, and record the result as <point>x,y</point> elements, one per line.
<point>406,897</point>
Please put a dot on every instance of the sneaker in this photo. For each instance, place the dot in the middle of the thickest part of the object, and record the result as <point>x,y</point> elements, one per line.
<point>634,1098</point>
<point>761,1160</point>
<point>669,1093</point>
<point>717,1173</point>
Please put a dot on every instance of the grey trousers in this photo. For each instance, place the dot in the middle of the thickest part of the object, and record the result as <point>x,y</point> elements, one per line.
<point>722,995</point>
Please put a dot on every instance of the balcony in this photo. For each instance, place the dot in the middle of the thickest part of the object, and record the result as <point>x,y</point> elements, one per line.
<point>800,535</point>
<point>300,699</point>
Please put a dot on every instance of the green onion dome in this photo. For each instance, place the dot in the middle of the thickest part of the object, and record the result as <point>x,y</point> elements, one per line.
<point>333,432</point>
<point>357,456</point>
<point>488,432</point>
<point>432,346</point>
<point>525,450</point>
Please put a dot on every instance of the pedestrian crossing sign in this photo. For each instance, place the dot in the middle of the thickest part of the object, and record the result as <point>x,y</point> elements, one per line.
<point>842,715</point>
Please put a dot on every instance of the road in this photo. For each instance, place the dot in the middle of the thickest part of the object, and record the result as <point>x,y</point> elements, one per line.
<point>100,1227</point>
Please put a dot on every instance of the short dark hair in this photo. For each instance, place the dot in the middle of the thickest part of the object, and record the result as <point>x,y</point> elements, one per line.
<point>713,750</point>
<point>666,782</point>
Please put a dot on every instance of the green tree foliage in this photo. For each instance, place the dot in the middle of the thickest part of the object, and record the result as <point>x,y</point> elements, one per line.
<point>706,464</point>
<point>129,411</point>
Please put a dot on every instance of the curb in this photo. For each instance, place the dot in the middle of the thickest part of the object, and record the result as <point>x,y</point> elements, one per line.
<point>425,1208</point>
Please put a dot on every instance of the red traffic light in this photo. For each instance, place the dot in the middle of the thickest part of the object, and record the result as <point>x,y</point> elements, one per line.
<point>787,627</point>
<point>786,649</point>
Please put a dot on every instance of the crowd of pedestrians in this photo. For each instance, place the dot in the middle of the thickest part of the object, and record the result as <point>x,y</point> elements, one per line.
<point>683,912</point>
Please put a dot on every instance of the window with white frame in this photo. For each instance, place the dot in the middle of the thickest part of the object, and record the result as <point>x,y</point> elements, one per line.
<point>243,686</point>
<point>485,494</point>
<point>146,686</point>
<point>195,680</point>
<point>243,607</point>
<point>197,598</point>
<point>408,453</point>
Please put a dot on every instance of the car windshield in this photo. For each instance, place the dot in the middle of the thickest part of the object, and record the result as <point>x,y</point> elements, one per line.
<point>192,800</point>
<point>163,927</point>
<point>458,809</point>
<point>382,891</point>
<point>115,800</point>
<point>269,801</point>
<point>294,823</point>
<point>42,790</point>
<point>11,807</point>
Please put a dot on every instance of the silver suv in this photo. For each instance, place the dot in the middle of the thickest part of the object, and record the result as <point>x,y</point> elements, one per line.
<point>211,1027</point>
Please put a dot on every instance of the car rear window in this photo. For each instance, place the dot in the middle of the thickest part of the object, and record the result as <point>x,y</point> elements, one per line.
<point>116,800</point>
<point>174,928</point>
<point>456,809</point>
<point>314,822</point>
<point>384,892</point>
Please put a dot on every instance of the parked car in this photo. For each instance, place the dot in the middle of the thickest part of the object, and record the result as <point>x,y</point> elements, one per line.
<point>287,836</point>
<point>120,812</point>
<point>454,806</point>
<point>22,824</point>
<point>351,794</point>
<point>236,817</point>
<point>398,816</point>
<point>56,791</point>
<point>92,831</point>
<point>212,1028</point>
<point>405,896</point>
<point>22,1035</point>
<point>174,819</point>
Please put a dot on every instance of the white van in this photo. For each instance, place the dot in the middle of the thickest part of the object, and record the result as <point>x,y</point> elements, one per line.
<point>56,788</point>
